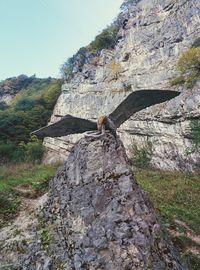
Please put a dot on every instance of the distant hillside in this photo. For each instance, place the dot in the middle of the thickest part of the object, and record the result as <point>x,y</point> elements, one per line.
<point>26,103</point>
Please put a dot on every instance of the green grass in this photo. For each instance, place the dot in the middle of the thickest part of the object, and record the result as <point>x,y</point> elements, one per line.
<point>13,178</point>
<point>176,197</point>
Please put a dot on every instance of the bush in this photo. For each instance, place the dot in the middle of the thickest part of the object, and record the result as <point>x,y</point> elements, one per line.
<point>114,68</point>
<point>33,150</point>
<point>189,67</point>
<point>107,39</point>
<point>7,148</point>
<point>177,81</point>
<point>24,104</point>
<point>141,156</point>
<point>51,95</point>
<point>10,152</point>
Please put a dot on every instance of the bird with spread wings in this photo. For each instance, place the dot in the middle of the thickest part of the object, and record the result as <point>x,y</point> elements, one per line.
<point>135,102</point>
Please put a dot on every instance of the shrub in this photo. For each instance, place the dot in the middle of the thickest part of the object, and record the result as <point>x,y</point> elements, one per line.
<point>106,39</point>
<point>7,148</point>
<point>24,104</point>
<point>141,156</point>
<point>114,68</point>
<point>177,81</point>
<point>189,67</point>
<point>33,150</point>
<point>51,95</point>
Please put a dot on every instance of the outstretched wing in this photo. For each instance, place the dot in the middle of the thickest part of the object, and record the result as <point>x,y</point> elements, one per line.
<point>137,101</point>
<point>65,126</point>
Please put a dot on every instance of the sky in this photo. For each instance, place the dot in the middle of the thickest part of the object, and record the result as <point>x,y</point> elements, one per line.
<point>37,36</point>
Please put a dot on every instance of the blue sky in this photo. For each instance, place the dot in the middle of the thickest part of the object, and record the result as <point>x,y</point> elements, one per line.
<point>37,36</point>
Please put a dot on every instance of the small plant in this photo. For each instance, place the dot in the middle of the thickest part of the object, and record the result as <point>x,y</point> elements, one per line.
<point>177,81</point>
<point>46,233</point>
<point>115,69</point>
<point>141,156</point>
<point>189,67</point>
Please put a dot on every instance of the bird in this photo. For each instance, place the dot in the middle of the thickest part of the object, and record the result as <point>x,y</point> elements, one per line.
<point>135,102</point>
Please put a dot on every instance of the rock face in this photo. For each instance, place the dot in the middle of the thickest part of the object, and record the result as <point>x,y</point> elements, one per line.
<point>97,217</point>
<point>152,37</point>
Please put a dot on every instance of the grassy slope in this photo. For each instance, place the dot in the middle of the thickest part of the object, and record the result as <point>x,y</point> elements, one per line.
<point>176,199</point>
<point>21,181</point>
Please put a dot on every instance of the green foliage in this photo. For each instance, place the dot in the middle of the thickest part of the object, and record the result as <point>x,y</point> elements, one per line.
<point>46,234</point>
<point>176,197</point>
<point>9,201</point>
<point>7,149</point>
<point>189,67</point>
<point>115,69</point>
<point>33,150</point>
<point>106,39</point>
<point>10,151</point>
<point>196,43</point>
<point>141,156</point>
<point>15,84</point>
<point>30,109</point>
<point>177,81</point>
<point>51,94</point>
<point>24,104</point>
<point>12,177</point>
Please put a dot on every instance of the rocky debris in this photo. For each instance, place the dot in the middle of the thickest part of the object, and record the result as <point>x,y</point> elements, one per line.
<point>97,217</point>
<point>16,237</point>
<point>152,36</point>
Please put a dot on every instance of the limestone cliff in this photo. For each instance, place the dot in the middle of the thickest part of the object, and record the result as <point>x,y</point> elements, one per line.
<point>152,36</point>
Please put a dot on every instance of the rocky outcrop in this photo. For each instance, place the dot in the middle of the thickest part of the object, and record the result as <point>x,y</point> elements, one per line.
<point>97,217</point>
<point>152,37</point>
